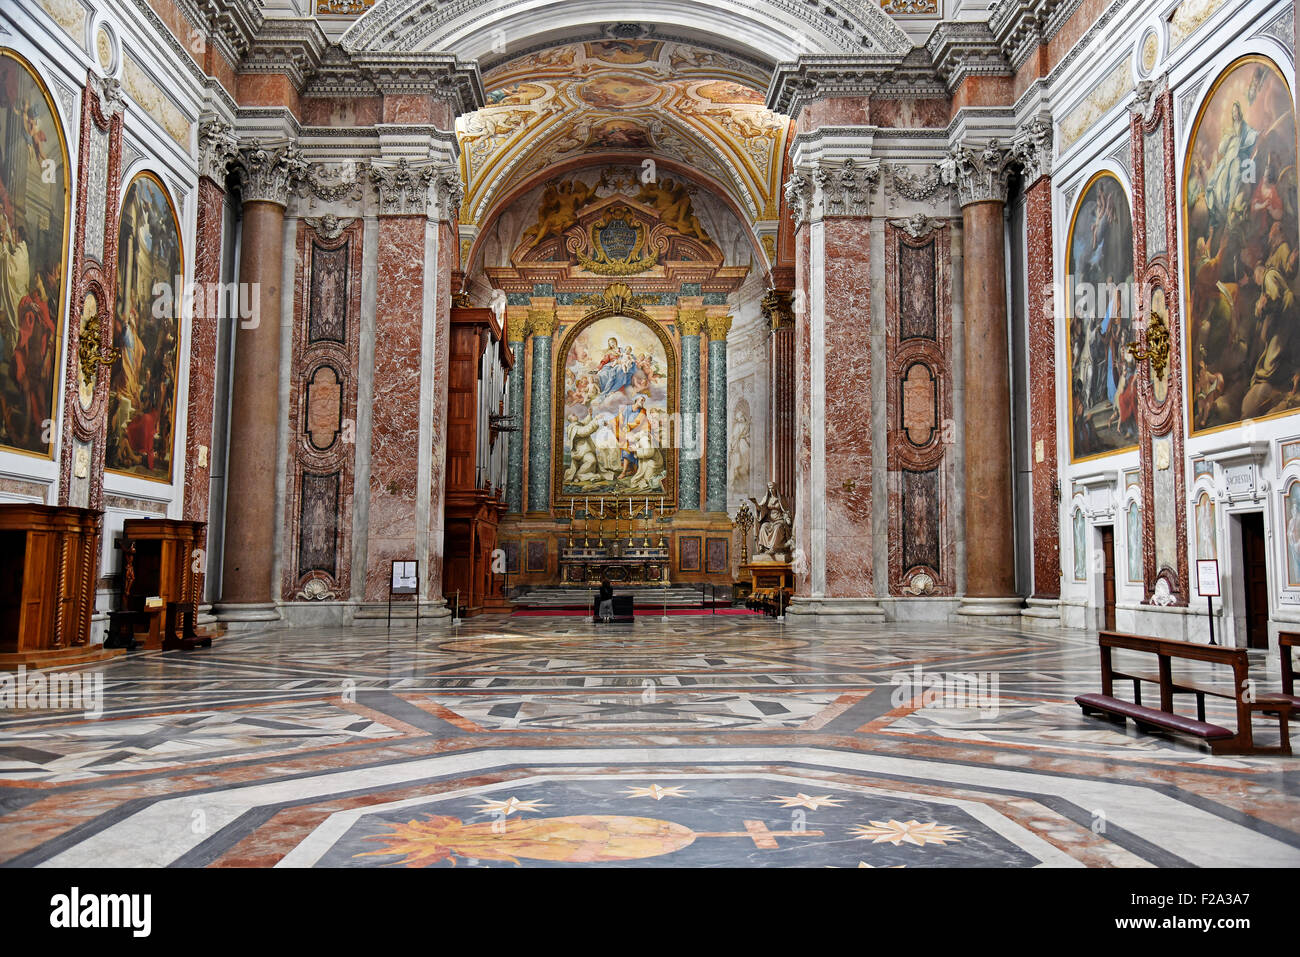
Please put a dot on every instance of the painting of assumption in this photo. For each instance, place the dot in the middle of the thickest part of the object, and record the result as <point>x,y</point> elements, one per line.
<point>1243,246</point>
<point>142,397</point>
<point>615,408</point>
<point>33,237</point>
<point>1099,287</point>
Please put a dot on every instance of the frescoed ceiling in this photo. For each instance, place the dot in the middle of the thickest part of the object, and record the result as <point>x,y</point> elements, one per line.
<point>643,97</point>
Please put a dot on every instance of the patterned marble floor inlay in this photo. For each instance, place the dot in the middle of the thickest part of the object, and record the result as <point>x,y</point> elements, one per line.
<point>558,743</point>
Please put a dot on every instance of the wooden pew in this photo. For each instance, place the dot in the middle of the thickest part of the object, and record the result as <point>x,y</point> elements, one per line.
<point>1286,640</point>
<point>1221,740</point>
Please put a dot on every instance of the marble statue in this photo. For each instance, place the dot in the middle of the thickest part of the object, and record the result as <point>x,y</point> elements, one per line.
<point>775,534</point>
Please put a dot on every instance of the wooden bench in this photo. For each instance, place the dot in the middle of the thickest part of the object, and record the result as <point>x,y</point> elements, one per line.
<point>771,601</point>
<point>1286,640</point>
<point>1220,739</point>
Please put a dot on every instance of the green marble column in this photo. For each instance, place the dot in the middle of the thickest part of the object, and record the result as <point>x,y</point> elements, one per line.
<point>688,455</point>
<point>716,449</point>
<point>516,333</point>
<point>542,326</point>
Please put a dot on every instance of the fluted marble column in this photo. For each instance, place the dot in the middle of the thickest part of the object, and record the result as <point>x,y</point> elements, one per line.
<point>980,178</point>
<point>716,450</point>
<point>516,334</point>
<point>541,323</point>
<point>688,456</point>
<point>267,173</point>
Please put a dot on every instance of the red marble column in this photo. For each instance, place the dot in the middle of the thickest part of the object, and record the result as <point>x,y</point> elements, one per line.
<point>394,437</point>
<point>438,422</point>
<point>203,361</point>
<point>847,425</point>
<point>249,552</point>
<point>990,548</point>
<point>1041,309</point>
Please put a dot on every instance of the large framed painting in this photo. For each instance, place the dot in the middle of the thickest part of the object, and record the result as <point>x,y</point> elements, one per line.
<point>616,410</point>
<point>1242,249</point>
<point>146,333</point>
<point>1100,300</point>
<point>34,217</point>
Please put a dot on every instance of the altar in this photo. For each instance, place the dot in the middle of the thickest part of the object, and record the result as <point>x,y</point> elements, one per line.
<point>619,562</point>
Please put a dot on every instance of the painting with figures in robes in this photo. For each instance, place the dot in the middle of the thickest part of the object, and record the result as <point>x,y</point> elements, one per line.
<point>33,239</point>
<point>614,408</point>
<point>142,394</point>
<point>1243,247</point>
<point>1099,290</point>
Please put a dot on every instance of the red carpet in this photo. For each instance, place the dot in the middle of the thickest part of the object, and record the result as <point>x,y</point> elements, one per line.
<point>585,612</point>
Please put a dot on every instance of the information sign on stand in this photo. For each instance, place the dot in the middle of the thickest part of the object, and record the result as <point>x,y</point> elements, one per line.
<point>1207,584</point>
<point>404,580</point>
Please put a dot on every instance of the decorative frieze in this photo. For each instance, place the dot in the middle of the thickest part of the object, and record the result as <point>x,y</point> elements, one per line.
<point>269,173</point>
<point>916,186</point>
<point>918,225</point>
<point>441,74</point>
<point>847,189</point>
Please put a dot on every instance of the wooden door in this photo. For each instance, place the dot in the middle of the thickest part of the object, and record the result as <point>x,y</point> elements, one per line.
<point>1254,574</point>
<point>1108,575</point>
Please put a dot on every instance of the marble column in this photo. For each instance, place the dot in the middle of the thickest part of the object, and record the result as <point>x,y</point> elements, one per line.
<point>218,149</point>
<point>779,312</point>
<point>516,334</point>
<point>980,178</point>
<point>541,323</point>
<point>267,173</point>
<point>716,448</point>
<point>691,322</point>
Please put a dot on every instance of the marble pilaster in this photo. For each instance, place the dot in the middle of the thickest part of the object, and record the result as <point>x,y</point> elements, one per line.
<point>779,311</point>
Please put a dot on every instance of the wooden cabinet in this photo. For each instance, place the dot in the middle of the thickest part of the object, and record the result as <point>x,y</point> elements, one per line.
<point>159,581</point>
<point>48,557</point>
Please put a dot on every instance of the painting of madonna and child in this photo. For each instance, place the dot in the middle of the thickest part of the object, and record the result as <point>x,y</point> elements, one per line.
<point>1243,248</point>
<point>616,391</point>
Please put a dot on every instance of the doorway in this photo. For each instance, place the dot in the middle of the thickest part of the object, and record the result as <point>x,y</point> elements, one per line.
<point>1108,576</point>
<point>1254,579</point>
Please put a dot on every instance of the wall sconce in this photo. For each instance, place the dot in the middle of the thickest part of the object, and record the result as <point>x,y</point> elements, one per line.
<point>89,353</point>
<point>1157,350</point>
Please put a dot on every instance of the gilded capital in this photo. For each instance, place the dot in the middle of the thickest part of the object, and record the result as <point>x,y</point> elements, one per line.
<point>691,321</point>
<point>541,322</point>
<point>719,326</point>
<point>778,308</point>
<point>516,327</point>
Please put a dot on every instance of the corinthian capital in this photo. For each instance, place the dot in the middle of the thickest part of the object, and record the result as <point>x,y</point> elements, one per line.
<point>691,321</point>
<point>798,196</point>
<point>1032,148</point>
<point>718,327</point>
<point>542,322</point>
<point>403,189</point>
<point>979,176</point>
<point>448,192</point>
<point>846,189</point>
<point>218,150</point>
<point>268,173</point>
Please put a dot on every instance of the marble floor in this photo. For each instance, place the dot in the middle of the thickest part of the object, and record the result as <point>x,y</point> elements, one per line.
<point>692,742</point>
